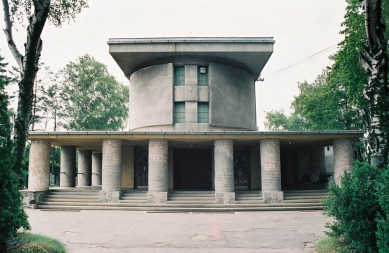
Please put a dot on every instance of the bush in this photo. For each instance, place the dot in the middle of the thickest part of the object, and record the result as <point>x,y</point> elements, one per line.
<point>34,243</point>
<point>383,216</point>
<point>358,205</point>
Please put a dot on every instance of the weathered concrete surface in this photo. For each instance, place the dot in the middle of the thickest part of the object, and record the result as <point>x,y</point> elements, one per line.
<point>128,167</point>
<point>112,171</point>
<point>84,176</point>
<point>151,97</point>
<point>255,160</point>
<point>97,163</point>
<point>317,162</point>
<point>271,170</point>
<point>67,177</point>
<point>343,157</point>
<point>232,92</point>
<point>39,165</point>
<point>158,171</point>
<point>224,171</point>
<point>123,231</point>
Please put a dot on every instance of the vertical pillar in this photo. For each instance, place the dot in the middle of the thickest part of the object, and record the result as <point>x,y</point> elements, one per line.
<point>158,171</point>
<point>112,171</point>
<point>316,163</point>
<point>224,171</point>
<point>302,163</point>
<point>67,176</point>
<point>84,175</point>
<point>343,157</point>
<point>271,171</point>
<point>39,166</point>
<point>96,168</point>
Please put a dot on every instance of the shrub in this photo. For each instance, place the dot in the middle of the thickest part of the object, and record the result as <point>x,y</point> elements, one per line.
<point>354,204</point>
<point>39,244</point>
<point>383,216</point>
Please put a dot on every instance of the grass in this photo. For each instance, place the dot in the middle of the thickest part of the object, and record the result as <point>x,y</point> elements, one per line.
<point>331,245</point>
<point>34,243</point>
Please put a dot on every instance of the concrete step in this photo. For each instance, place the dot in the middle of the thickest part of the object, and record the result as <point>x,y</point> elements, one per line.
<point>303,197</point>
<point>70,196</point>
<point>189,209</point>
<point>302,201</point>
<point>71,200</point>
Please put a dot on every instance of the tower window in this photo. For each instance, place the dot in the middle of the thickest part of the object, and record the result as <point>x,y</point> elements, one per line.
<point>202,76</point>
<point>203,112</point>
<point>179,112</point>
<point>179,75</point>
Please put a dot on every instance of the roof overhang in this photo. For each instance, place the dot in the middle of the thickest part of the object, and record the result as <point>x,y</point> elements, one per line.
<point>250,53</point>
<point>93,139</point>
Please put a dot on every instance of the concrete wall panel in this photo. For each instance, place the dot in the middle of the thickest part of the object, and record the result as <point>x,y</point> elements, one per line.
<point>127,167</point>
<point>255,159</point>
<point>151,96</point>
<point>232,97</point>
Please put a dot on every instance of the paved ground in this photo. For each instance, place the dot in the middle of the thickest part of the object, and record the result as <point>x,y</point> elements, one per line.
<point>123,231</point>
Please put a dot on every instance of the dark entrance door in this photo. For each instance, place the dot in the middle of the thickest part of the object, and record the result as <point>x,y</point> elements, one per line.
<point>192,169</point>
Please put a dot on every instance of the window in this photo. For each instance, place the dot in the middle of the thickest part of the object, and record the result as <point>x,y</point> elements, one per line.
<point>202,76</point>
<point>179,112</point>
<point>203,112</point>
<point>179,75</point>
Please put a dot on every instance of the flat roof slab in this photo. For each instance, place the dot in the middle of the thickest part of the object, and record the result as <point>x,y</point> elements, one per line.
<point>247,53</point>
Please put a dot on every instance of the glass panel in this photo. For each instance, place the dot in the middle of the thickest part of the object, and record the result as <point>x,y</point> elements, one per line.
<point>142,167</point>
<point>179,112</point>
<point>241,167</point>
<point>202,76</point>
<point>203,112</point>
<point>179,75</point>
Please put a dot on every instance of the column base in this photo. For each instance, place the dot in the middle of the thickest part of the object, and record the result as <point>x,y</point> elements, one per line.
<point>109,196</point>
<point>224,197</point>
<point>273,196</point>
<point>32,198</point>
<point>156,197</point>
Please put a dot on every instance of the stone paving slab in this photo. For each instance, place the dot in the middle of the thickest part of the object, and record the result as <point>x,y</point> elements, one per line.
<point>122,231</point>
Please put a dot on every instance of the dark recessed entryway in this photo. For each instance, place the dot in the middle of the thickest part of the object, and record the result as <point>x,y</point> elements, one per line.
<point>192,169</point>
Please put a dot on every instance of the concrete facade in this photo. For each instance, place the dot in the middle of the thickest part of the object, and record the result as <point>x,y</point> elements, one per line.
<point>68,166</point>
<point>224,171</point>
<point>316,162</point>
<point>84,175</point>
<point>97,163</point>
<point>343,158</point>
<point>271,171</point>
<point>112,171</point>
<point>39,165</point>
<point>158,171</point>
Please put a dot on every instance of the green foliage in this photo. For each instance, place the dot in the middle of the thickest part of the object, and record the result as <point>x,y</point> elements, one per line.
<point>383,217</point>
<point>60,10</point>
<point>12,215</point>
<point>360,208</point>
<point>92,99</point>
<point>35,243</point>
<point>331,245</point>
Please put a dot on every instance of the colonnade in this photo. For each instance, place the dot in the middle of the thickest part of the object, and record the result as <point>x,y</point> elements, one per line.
<point>105,168</point>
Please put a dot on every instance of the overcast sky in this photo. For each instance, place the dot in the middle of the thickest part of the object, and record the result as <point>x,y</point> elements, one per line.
<point>301,28</point>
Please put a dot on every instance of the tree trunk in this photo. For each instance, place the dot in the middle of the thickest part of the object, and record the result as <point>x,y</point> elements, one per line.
<point>374,61</point>
<point>28,65</point>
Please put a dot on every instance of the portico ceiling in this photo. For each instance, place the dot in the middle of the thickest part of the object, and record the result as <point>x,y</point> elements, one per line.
<point>93,140</point>
<point>250,53</point>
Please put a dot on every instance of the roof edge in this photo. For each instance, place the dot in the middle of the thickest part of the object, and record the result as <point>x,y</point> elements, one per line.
<point>266,40</point>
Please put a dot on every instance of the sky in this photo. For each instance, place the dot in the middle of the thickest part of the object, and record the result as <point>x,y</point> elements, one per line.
<point>306,34</point>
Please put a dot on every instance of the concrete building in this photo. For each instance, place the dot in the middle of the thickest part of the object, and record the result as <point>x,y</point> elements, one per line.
<point>192,126</point>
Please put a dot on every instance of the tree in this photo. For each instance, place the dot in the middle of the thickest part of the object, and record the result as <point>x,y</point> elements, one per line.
<point>374,61</point>
<point>12,215</point>
<point>37,12</point>
<point>92,99</point>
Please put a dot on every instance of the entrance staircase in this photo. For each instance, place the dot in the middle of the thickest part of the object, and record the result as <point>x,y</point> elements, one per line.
<point>180,201</point>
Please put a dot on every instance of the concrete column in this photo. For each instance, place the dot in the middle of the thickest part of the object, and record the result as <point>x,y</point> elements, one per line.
<point>67,176</point>
<point>97,160</point>
<point>302,163</point>
<point>224,171</point>
<point>316,162</point>
<point>112,171</point>
<point>84,175</point>
<point>158,171</point>
<point>39,166</point>
<point>343,157</point>
<point>271,171</point>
